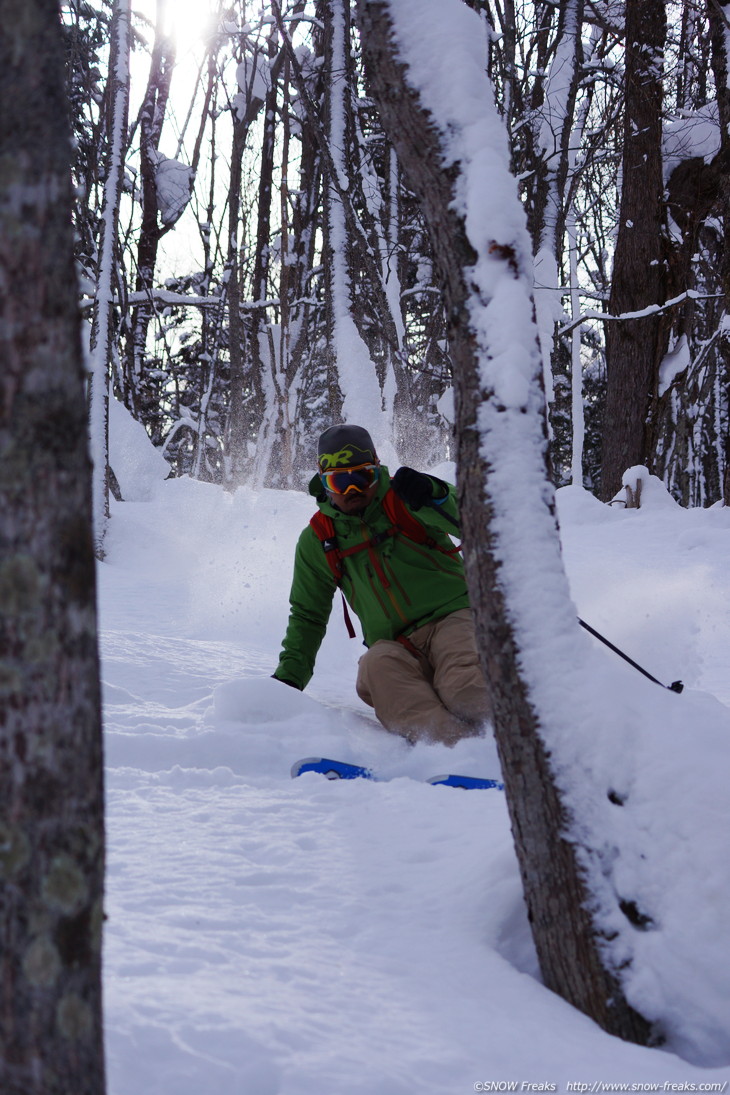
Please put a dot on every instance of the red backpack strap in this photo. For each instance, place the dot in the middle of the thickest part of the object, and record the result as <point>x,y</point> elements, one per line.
<point>404,521</point>
<point>324,529</point>
<point>400,516</point>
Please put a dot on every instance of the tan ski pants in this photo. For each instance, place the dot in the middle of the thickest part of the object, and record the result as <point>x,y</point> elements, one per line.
<point>435,691</point>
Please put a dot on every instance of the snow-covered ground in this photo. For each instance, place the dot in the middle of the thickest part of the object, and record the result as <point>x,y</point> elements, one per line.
<point>270,936</point>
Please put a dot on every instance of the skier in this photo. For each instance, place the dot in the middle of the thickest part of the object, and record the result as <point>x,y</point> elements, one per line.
<point>402,576</point>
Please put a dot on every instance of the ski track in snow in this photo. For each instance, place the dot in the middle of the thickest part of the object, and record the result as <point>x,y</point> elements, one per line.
<point>276,937</point>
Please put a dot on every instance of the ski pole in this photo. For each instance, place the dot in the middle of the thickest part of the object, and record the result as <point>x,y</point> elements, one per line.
<point>437,507</point>
<point>675,686</point>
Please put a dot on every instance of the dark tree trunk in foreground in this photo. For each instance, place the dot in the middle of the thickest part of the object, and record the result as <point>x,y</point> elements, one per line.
<point>51,818</point>
<point>719,15</point>
<point>635,347</point>
<point>555,891</point>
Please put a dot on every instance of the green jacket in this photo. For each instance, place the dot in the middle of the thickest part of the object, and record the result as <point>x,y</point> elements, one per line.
<point>424,583</point>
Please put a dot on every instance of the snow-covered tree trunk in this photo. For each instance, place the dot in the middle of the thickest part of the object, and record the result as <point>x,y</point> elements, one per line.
<point>262,349</point>
<point>151,119</point>
<point>235,428</point>
<point>357,375</point>
<point>554,141</point>
<point>285,339</point>
<point>102,333</point>
<point>577,416</point>
<point>51,799</point>
<point>258,79</point>
<point>302,311</point>
<point>437,107</point>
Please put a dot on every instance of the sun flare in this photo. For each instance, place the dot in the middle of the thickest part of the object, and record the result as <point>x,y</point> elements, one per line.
<point>190,23</point>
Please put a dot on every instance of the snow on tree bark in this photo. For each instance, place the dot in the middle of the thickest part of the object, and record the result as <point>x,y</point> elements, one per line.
<point>444,125</point>
<point>51,821</point>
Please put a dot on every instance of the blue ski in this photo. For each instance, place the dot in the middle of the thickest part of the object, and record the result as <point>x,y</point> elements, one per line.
<point>469,783</point>
<point>338,769</point>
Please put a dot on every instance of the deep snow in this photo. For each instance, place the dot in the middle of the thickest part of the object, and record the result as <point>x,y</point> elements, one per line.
<point>300,937</point>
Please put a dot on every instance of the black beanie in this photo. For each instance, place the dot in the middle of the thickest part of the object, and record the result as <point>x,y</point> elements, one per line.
<point>345,447</point>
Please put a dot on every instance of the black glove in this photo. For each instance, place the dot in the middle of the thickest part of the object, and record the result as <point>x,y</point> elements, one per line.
<point>413,487</point>
<point>285,681</point>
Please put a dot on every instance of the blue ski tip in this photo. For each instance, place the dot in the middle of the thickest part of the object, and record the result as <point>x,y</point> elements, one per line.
<point>340,769</point>
<point>332,769</point>
<point>469,783</point>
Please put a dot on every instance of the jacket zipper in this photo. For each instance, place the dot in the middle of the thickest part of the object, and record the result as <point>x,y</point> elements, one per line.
<point>374,588</point>
<point>394,578</point>
<point>432,555</point>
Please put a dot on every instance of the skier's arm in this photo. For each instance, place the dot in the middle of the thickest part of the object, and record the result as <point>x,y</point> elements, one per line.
<point>312,590</point>
<point>443,512</point>
<point>433,499</point>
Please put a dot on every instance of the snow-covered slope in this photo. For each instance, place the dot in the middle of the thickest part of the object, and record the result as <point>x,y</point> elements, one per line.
<point>271,936</point>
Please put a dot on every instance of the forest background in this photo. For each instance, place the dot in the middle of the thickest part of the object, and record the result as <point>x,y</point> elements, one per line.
<point>253,264</point>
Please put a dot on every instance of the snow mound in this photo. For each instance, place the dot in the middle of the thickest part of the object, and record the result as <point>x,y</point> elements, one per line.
<point>638,483</point>
<point>137,464</point>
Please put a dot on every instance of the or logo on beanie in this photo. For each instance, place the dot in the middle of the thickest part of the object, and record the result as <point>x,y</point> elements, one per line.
<point>347,457</point>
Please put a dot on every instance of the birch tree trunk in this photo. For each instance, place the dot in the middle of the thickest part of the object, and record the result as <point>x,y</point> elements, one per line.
<point>51,801</point>
<point>102,334</point>
<point>500,427</point>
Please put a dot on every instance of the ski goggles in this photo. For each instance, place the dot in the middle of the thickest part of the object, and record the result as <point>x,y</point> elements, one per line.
<point>350,480</point>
